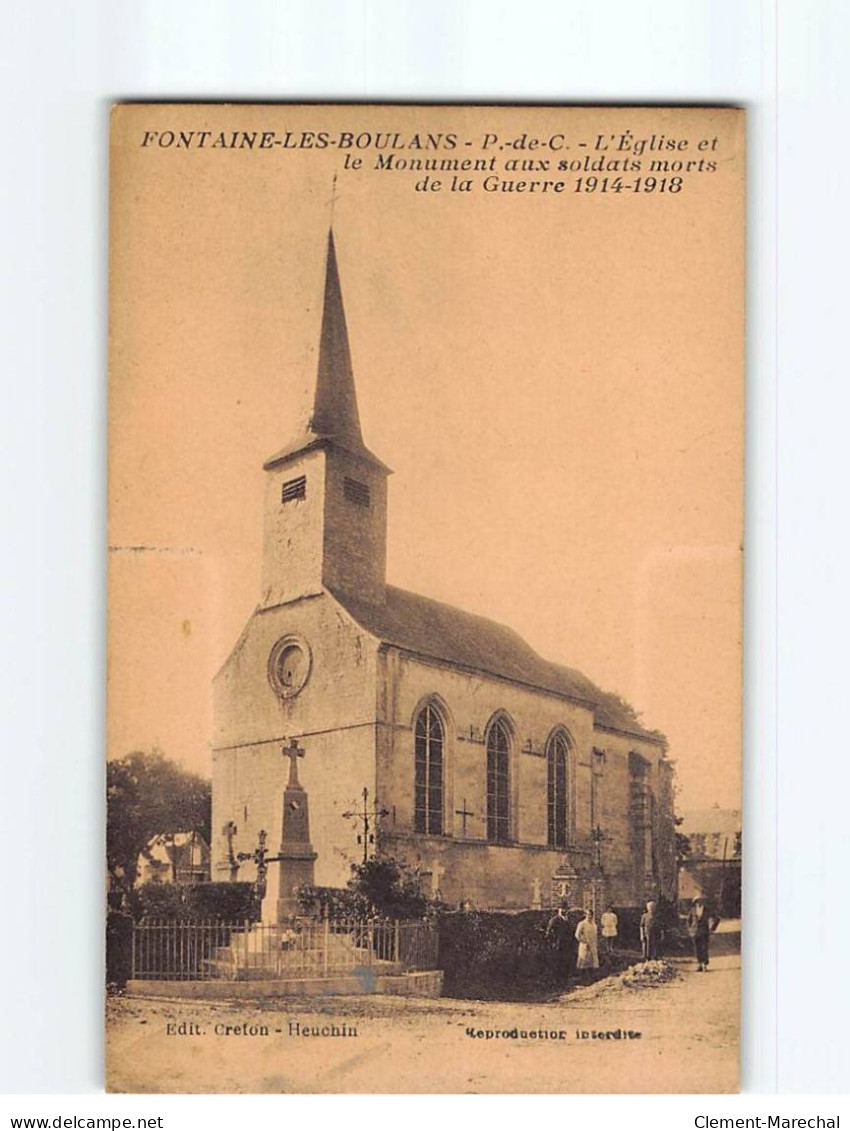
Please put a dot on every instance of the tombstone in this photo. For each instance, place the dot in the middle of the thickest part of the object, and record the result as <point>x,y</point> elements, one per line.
<point>536,894</point>
<point>566,886</point>
<point>436,872</point>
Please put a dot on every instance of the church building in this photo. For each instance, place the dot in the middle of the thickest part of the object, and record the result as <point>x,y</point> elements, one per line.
<point>507,780</point>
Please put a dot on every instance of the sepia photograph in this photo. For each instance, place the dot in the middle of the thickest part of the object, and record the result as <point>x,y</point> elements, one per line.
<point>426,441</point>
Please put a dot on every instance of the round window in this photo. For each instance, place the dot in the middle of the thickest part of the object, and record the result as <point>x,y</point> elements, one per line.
<point>289,666</point>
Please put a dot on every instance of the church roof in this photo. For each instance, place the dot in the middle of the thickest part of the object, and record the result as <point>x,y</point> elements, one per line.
<point>334,418</point>
<point>441,632</point>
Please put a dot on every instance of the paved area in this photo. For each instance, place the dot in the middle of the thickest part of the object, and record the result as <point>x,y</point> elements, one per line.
<point>688,1042</point>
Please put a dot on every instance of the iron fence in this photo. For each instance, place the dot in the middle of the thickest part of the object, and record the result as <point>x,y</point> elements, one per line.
<point>166,950</point>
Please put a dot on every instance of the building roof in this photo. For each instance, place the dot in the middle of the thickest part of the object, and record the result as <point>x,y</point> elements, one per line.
<point>334,419</point>
<point>441,632</point>
<point>713,821</point>
<point>160,848</point>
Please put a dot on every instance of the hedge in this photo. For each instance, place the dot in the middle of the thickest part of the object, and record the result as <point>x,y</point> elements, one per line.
<point>233,902</point>
<point>504,956</point>
<point>673,938</point>
<point>119,949</point>
<point>333,903</point>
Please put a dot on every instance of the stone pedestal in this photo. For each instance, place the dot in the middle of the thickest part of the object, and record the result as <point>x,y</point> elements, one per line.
<point>295,859</point>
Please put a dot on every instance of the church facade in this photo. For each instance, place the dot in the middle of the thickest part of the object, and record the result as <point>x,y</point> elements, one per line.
<point>508,781</point>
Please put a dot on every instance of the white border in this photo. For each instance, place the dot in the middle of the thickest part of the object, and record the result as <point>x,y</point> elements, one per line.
<point>62,65</point>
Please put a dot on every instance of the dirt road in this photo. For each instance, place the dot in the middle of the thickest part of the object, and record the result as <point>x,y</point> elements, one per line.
<point>688,1042</point>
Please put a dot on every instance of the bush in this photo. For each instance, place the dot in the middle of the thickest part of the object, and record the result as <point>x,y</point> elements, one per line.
<point>381,888</point>
<point>233,902</point>
<point>119,949</point>
<point>504,956</point>
<point>333,903</point>
<point>628,926</point>
<point>160,901</point>
<point>389,887</point>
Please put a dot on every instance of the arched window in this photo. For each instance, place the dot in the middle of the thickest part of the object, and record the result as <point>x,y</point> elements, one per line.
<point>557,753</point>
<point>428,788</point>
<point>498,783</point>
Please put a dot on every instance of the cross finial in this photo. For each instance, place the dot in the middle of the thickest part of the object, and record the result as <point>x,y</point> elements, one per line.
<point>333,200</point>
<point>293,752</point>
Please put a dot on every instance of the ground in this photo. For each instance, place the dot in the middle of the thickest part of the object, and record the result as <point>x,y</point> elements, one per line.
<point>688,1042</point>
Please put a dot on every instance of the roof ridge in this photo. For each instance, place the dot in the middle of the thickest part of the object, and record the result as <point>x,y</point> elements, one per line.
<point>444,632</point>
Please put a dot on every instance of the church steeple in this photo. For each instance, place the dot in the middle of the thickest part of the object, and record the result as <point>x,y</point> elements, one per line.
<point>335,412</point>
<point>334,417</point>
<point>326,493</point>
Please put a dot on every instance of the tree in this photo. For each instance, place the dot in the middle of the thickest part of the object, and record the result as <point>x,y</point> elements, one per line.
<point>389,887</point>
<point>148,795</point>
<point>683,848</point>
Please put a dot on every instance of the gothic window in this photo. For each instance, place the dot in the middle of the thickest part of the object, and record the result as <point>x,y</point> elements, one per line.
<point>498,783</point>
<point>557,753</point>
<point>428,787</point>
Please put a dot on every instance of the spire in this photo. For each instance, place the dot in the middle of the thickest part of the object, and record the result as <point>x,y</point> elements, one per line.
<point>335,414</point>
<point>334,418</point>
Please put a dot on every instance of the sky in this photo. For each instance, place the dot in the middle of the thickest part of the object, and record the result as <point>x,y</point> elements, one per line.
<point>556,381</point>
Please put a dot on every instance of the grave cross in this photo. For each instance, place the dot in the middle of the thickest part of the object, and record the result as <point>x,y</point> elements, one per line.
<point>366,817</point>
<point>437,872</point>
<point>293,752</point>
<point>464,813</point>
<point>598,837</point>
<point>229,831</point>
<point>261,859</point>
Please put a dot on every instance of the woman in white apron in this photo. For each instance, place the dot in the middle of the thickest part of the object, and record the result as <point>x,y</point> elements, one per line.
<point>587,936</point>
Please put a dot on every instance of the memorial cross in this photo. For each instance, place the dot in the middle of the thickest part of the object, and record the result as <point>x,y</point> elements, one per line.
<point>293,752</point>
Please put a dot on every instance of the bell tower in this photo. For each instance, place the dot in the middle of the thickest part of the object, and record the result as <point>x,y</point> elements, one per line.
<point>326,493</point>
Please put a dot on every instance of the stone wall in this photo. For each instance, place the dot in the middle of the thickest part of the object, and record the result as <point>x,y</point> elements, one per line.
<point>333,717</point>
<point>355,717</point>
<point>293,532</point>
<point>504,875</point>
<point>355,539</point>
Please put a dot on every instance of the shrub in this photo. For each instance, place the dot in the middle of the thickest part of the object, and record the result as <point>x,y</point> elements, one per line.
<point>493,954</point>
<point>332,903</point>
<point>628,926</point>
<point>160,901</point>
<point>379,888</point>
<point>389,887</point>
<point>233,902</point>
<point>119,949</point>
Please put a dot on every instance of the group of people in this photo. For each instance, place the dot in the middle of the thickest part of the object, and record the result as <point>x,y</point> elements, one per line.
<point>700,926</point>
<point>586,934</point>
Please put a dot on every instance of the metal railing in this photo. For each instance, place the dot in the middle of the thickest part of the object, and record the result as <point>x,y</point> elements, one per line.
<point>166,950</point>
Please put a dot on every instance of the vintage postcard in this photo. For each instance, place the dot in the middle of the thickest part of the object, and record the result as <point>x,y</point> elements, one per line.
<point>426,535</point>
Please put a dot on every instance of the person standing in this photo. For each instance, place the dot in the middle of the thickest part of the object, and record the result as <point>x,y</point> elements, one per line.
<point>700,927</point>
<point>650,932</point>
<point>609,929</point>
<point>587,937</point>
<point>558,933</point>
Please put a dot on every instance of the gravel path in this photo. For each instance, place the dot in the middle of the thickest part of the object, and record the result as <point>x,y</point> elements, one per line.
<point>688,1042</point>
